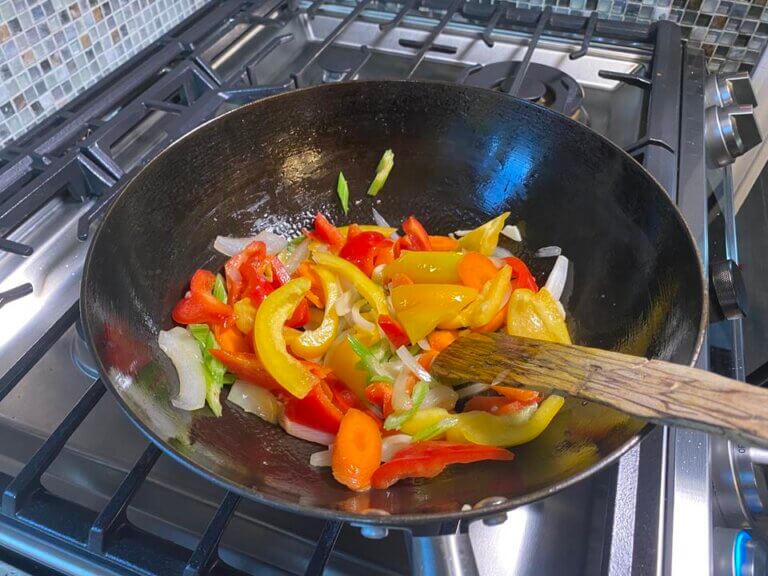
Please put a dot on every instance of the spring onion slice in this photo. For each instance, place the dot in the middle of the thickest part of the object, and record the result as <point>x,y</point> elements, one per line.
<point>342,189</point>
<point>436,429</point>
<point>220,289</point>
<point>382,172</point>
<point>395,421</point>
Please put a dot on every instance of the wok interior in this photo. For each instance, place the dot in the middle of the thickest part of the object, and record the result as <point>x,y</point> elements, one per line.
<point>462,155</point>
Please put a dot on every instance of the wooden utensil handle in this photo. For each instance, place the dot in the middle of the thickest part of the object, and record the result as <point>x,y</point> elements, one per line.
<point>658,391</point>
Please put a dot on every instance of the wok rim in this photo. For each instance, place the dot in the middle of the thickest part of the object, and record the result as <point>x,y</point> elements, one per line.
<point>403,521</point>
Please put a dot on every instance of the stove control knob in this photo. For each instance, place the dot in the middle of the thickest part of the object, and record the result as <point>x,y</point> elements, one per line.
<point>738,553</point>
<point>729,132</point>
<point>729,89</point>
<point>730,293</point>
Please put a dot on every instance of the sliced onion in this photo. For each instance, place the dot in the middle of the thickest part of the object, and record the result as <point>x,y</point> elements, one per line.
<point>377,274</point>
<point>461,233</point>
<point>555,283</point>
<point>379,219</point>
<point>412,364</point>
<point>184,351</point>
<point>391,445</point>
<point>440,396</point>
<point>299,254</point>
<point>255,399</point>
<point>423,344</point>
<point>401,400</point>
<point>320,459</point>
<point>501,253</point>
<point>472,389</point>
<point>512,232</point>
<point>499,377</point>
<point>358,320</point>
<point>305,432</point>
<point>230,246</point>
<point>344,303</point>
<point>548,252</point>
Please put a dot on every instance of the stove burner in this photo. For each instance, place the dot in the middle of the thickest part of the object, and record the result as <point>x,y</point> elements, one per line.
<point>542,85</point>
<point>338,63</point>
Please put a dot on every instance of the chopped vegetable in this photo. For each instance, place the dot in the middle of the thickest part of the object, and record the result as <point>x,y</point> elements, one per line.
<point>269,342</point>
<point>255,399</point>
<point>219,290</point>
<point>342,189</point>
<point>396,420</point>
<point>475,270</point>
<point>370,360</point>
<point>485,238</point>
<point>536,316</point>
<point>184,351</point>
<point>382,172</point>
<point>332,335</point>
<point>428,459</point>
<point>483,428</point>
<point>356,451</point>
<point>426,267</point>
<point>314,343</point>
<point>417,236</point>
<point>367,288</point>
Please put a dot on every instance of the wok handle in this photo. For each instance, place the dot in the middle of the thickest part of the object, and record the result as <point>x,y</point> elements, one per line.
<point>660,392</point>
<point>448,555</point>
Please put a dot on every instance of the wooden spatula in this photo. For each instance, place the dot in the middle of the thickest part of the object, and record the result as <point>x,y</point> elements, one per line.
<point>657,391</point>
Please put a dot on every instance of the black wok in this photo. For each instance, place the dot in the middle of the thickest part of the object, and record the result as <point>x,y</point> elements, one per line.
<point>462,155</point>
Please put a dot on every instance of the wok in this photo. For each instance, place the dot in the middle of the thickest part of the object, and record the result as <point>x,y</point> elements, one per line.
<point>462,155</point>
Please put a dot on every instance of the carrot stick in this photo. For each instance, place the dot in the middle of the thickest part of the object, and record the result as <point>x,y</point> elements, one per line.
<point>357,450</point>
<point>475,270</point>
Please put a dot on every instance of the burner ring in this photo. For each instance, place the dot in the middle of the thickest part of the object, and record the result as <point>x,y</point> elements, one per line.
<point>543,85</point>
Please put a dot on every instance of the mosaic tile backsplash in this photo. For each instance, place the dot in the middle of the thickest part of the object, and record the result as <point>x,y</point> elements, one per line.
<point>51,50</point>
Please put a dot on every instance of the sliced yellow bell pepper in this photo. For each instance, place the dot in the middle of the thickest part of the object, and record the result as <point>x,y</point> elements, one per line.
<point>536,316</point>
<point>486,428</point>
<point>344,363</point>
<point>367,288</point>
<point>245,315</point>
<point>485,238</point>
<point>312,344</point>
<point>421,307</point>
<point>491,298</point>
<point>423,419</point>
<point>269,342</point>
<point>386,231</point>
<point>426,267</point>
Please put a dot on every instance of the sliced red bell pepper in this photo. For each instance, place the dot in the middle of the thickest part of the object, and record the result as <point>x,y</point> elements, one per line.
<point>416,234</point>
<point>521,276</point>
<point>279,274</point>
<point>327,232</point>
<point>257,286</point>
<point>393,331</point>
<point>362,249</point>
<point>300,315</point>
<point>428,459</point>
<point>380,394</point>
<point>199,305</point>
<point>247,366</point>
<point>493,404</point>
<point>315,410</point>
<point>256,250</point>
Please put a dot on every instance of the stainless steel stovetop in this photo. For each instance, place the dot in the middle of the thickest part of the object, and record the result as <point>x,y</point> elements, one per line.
<point>651,513</point>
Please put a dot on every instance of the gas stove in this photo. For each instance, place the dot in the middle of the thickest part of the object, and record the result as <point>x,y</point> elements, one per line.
<point>84,491</point>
